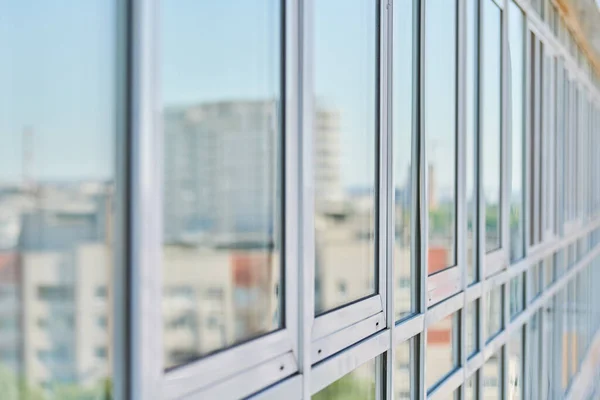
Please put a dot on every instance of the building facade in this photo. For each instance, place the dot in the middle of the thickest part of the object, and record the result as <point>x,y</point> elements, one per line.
<point>327,199</point>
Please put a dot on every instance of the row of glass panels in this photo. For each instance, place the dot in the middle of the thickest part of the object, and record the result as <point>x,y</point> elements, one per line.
<point>223,124</point>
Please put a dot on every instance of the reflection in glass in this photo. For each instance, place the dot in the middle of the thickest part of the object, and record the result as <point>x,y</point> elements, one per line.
<point>358,384</point>
<point>471,387</point>
<point>517,295</point>
<point>535,280</point>
<point>471,126</point>
<point>222,165</point>
<point>533,352</point>
<point>549,270</point>
<point>471,326</point>
<point>441,351</point>
<point>493,312</point>
<point>440,131</point>
<point>490,114</point>
<point>57,198</point>
<point>516,38</point>
<point>404,371</point>
<point>564,335</point>
<point>515,366</point>
<point>403,80</point>
<point>560,263</point>
<point>345,149</point>
<point>492,377</point>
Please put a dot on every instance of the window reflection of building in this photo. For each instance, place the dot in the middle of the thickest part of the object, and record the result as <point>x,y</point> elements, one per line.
<point>221,226</point>
<point>54,260</point>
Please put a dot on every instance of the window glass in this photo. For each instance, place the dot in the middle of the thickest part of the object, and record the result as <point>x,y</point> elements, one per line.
<point>222,111</point>
<point>516,37</point>
<point>492,377</point>
<point>57,197</point>
<point>440,130</point>
<point>471,326</point>
<point>472,69</point>
<point>441,349</point>
<point>549,270</point>
<point>404,185</point>
<point>358,384</point>
<point>564,336</point>
<point>345,151</point>
<point>517,295</point>
<point>404,371</point>
<point>533,362</point>
<point>535,280</point>
<point>490,118</point>
<point>471,387</point>
<point>515,366</point>
<point>493,312</point>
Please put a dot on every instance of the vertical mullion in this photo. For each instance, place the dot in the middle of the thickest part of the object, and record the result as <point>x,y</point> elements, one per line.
<point>121,361</point>
<point>306,195</point>
<point>387,17</point>
<point>527,161</point>
<point>422,229</point>
<point>145,284</point>
<point>382,156</point>
<point>506,185</point>
<point>461,157</point>
<point>292,273</point>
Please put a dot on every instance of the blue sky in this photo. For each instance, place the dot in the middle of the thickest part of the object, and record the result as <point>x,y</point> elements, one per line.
<point>59,74</point>
<point>56,77</point>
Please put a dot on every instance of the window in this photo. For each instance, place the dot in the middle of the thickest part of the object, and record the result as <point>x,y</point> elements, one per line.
<point>472,139</point>
<point>516,38</point>
<point>101,292</point>
<point>100,352</point>
<point>404,372</point>
<point>405,170</point>
<point>440,131</point>
<point>441,349</point>
<point>222,118</point>
<point>358,384</point>
<point>515,366</point>
<point>494,312</point>
<point>517,295</point>
<point>472,342</point>
<point>534,349</point>
<point>490,120</point>
<point>492,377</point>
<point>346,124</point>
<point>55,293</point>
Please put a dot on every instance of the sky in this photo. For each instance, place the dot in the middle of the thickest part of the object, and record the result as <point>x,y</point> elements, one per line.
<point>58,77</point>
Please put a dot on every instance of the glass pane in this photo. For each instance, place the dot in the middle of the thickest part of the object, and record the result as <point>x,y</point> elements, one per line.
<point>492,377</point>
<point>471,127</point>
<point>535,280</point>
<point>441,351</point>
<point>472,325</point>
<point>222,175</point>
<point>516,32</point>
<point>517,295</point>
<point>493,312</point>
<point>549,270</point>
<point>471,387</point>
<point>403,145</point>
<point>345,151</point>
<point>564,336</point>
<point>57,197</point>
<point>515,366</point>
<point>533,356</point>
<point>404,371</point>
<point>440,130</point>
<point>490,114</point>
<point>357,385</point>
